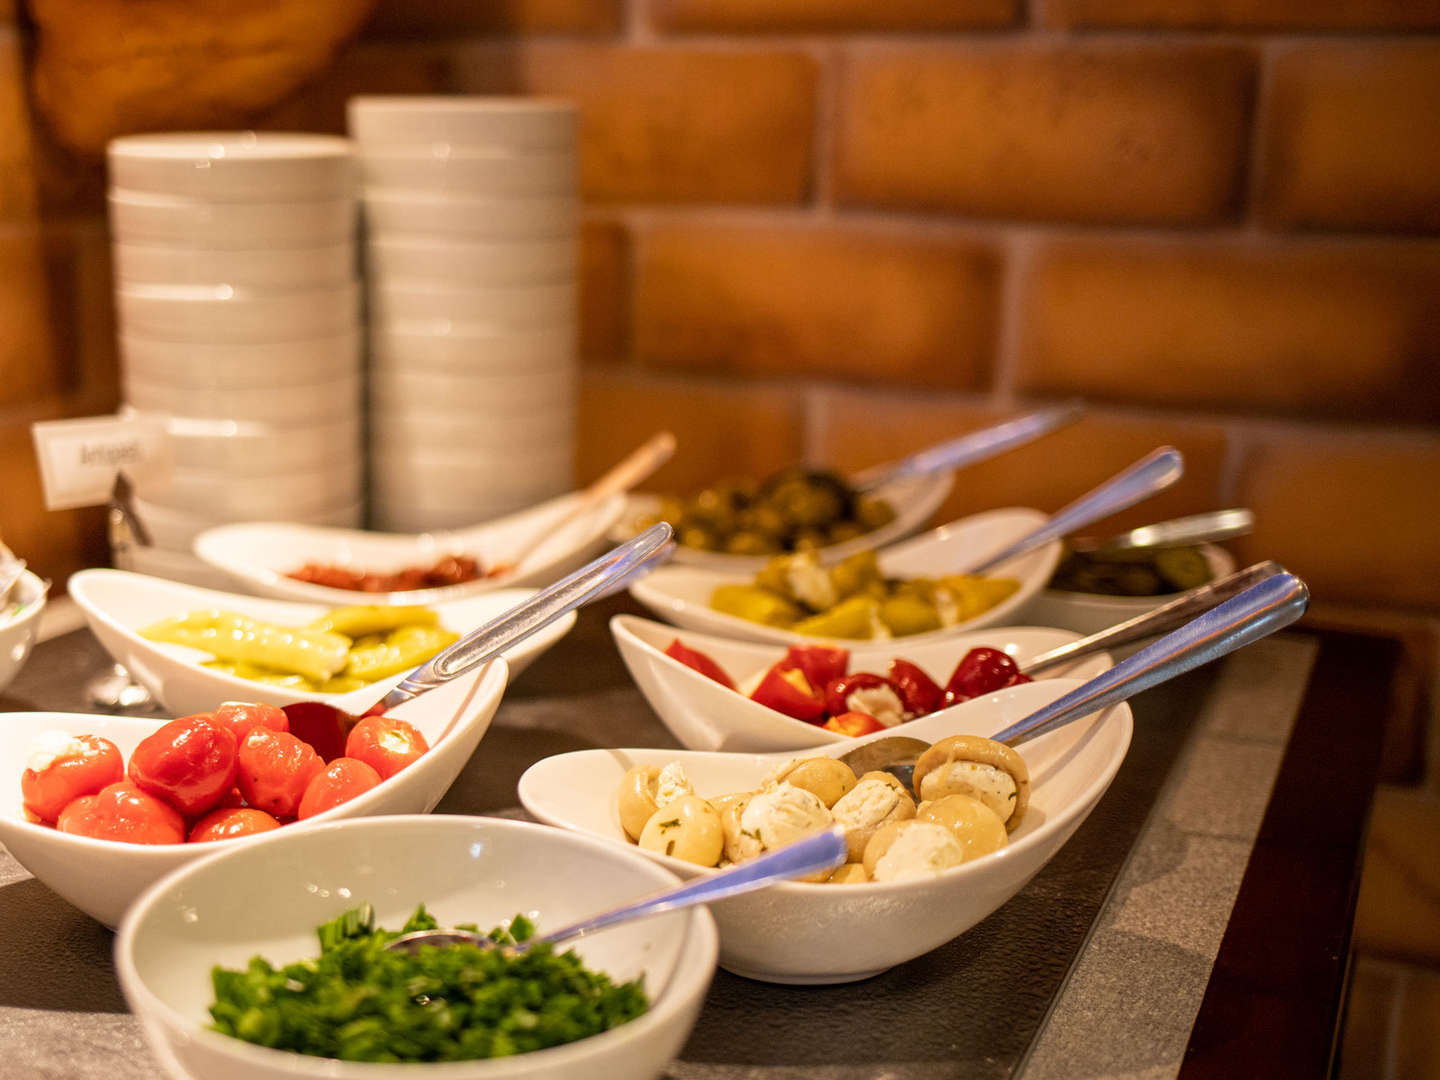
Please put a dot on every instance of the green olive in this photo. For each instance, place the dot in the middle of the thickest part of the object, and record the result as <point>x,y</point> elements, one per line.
<point>695,537</point>
<point>872,513</point>
<point>748,542</point>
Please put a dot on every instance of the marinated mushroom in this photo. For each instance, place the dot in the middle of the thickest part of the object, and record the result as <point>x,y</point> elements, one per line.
<point>910,849</point>
<point>876,801</point>
<point>645,789</point>
<point>977,827</point>
<point>824,777</point>
<point>979,767</point>
<point>850,873</point>
<point>688,828</point>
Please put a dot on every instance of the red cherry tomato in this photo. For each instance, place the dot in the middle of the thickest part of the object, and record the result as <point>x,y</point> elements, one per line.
<point>862,691</point>
<point>786,690</point>
<point>241,716</point>
<point>385,744</point>
<point>853,724</point>
<point>822,664</point>
<point>920,693</point>
<point>231,822</point>
<point>694,658</point>
<point>980,671</point>
<point>124,812</point>
<point>275,769</point>
<point>190,763</point>
<point>341,781</point>
<point>81,765</point>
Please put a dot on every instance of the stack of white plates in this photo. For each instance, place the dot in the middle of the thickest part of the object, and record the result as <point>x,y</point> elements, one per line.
<point>470,251</point>
<point>237,290</point>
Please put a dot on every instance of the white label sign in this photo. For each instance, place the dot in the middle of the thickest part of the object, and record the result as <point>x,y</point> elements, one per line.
<point>79,459</point>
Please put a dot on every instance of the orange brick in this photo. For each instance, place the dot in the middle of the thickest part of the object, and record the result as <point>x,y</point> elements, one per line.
<point>1352,137</point>
<point>858,429</point>
<point>1341,329</point>
<point>1353,514</point>
<point>604,291</point>
<point>723,429</point>
<point>671,124</point>
<point>406,18</point>
<point>1074,132</point>
<point>18,199</point>
<point>1245,14</point>
<point>818,301</point>
<point>55,543</point>
<point>363,68</point>
<point>1399,908</point>
<point>834,16</point>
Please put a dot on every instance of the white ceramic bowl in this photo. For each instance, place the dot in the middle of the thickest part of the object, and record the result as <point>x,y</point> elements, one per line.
<point>445,167</point>
<point>233,366</point>
<point>463,348</point>
<point>268,897</point>
<point>103,878</point>
<point>267,495</point>
<point>247,447</point>
<point>681,594</point>
<point>333,401</point>
<point>512,217</point>
<point>137,217</point>
<point>1089,613</point>
<point>266,268</point>
<point>18,629</point>
<point>258,555</point>
<point>177,529</point>
<point>239,166</point>
<point>914,500</point>
<point>489,122</point>
<point>802,933</point>
<point>704,715</point>
<point>400,257</point>
<point>231,314</point>
<point>118,605</point>
<point>407,300</point>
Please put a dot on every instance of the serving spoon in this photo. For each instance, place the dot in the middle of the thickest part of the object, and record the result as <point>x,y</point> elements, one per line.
<point>818,851</point>
<point>1260,610</point>
<point>1177,532</point>
<point>325,726</point>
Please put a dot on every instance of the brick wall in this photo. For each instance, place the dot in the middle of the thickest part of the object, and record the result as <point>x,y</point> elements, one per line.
<point>842,230</point>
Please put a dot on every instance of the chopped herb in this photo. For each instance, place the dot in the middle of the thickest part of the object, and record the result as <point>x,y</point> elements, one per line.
<point>673,823</point>
<point>359,1002</point>
<point>670,847</point>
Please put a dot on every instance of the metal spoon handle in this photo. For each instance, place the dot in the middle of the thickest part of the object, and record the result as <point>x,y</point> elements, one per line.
<point>525,619</point>
<point>968,449</point>
<point>1154,472</point>
<point>1178,532</point>
<point>1166,617</point>
<point>815,852</point>
<point>1261,609</point>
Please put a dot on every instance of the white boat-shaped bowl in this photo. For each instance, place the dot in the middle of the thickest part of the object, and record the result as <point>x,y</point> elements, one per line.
<point>102,877</point>
<point>259,555</point>
<point>704,715</point>
<point>796,932</point>
<point>914,499</point>
<point>118,604</point>
<point>681,594</point>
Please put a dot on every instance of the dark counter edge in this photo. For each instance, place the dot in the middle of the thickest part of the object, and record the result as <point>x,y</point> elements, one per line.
<point>1279,980</point>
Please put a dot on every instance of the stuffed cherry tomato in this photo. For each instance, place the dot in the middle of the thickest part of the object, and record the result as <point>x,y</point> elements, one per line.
<point>981,671</point>
<point>62,768</point>
<point>919,693</point>
<point>853,724</point>
<point>822,664</point>
<point>190,763</point>
<point>122,811</point>
<point>694,658</point>
<point>788,691</point>
<point>275,769</point>
<point>385,744</point>
<point>241,716</point>
<point>339,782</point>
<point>231,822</point>
<point>868,693</point>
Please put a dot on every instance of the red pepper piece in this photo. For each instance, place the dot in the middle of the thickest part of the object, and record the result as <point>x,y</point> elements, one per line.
<point>693,658</point>
<point>820,663</point>
<point>920,693</point>
<point>786,690</point>
<point>853,724</point>
<point>837,693</point>
<point>980,671</point>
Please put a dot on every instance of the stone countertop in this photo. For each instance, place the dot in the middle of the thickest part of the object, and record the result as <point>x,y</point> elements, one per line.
<point>1131,987</point>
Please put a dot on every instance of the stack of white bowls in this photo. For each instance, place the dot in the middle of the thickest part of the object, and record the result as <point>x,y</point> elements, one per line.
<point>238,296</point>
<point>470,252</point>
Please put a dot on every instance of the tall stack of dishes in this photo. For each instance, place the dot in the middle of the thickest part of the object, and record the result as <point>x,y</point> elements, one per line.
<point>470,247</point>
<point>238,297</point>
